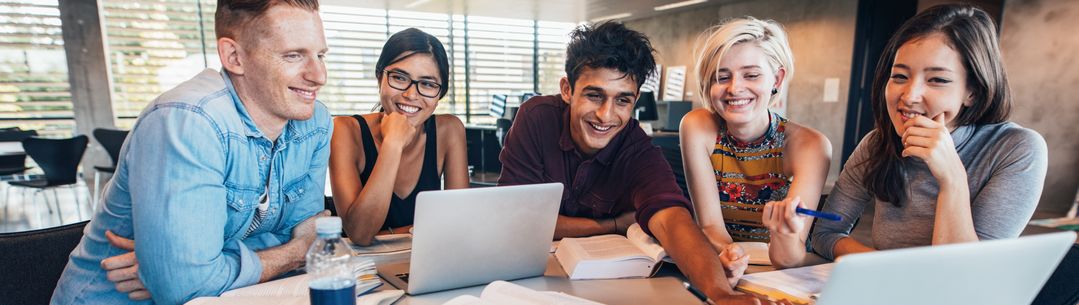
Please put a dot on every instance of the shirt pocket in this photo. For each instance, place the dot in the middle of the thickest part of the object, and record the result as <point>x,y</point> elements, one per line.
<point>601,204</point>
<point>242,202</point>
<point>298,188</point>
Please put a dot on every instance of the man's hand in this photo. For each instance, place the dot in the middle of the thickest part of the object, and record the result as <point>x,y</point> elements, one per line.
<point>123,269</point>
<point>304,233</point>
<point>735,261</point>
<point>624,221</point>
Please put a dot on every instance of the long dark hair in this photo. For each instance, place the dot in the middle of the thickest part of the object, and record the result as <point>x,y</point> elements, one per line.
<point>971,33</point>
<point>414,41</point>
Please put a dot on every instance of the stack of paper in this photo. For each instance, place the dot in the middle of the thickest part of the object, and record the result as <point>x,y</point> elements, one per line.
<point>799,285</point>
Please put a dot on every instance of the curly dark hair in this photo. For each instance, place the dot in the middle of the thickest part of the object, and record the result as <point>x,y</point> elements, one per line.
<point>610,45</point>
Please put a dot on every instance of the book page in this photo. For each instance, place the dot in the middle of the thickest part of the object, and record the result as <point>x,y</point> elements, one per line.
<point>646,243</point>
<point>298,286</point>
<point>249,300</point>
<point>757,251</point>
<point>465,300</point>
<point>796,284</point>
<point>502,292</point>
<point>384,297</point>
<point>295,286</point>
<point>606,247</point>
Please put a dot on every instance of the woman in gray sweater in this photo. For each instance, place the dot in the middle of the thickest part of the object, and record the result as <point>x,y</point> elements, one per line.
<point>943,164</point>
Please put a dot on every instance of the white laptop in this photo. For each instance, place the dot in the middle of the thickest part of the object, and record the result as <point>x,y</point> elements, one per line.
<point>474,236</point>
<point>1009,271</point>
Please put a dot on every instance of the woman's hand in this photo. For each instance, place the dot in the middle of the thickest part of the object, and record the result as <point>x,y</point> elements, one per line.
<point>397,130</point>
<point>735,261</point>
<point>929,140</point>
<point>780,217</point>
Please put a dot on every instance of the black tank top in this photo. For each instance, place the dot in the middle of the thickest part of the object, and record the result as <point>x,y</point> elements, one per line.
<point>403,210</point>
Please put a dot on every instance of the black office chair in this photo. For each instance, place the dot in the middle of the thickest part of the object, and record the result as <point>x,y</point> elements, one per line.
<point>59,159</point>
<point>112,140</point>
<point>15,134</point>
<point>13,163</point>
<point>33,261</point>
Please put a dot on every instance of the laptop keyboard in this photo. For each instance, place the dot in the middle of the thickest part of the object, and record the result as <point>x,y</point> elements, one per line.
<point>402,276</point>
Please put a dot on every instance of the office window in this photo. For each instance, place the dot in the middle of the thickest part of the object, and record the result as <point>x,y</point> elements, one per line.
<point>355,37</point>
<point>500,57</point>
<point>155,45</point>
<point>34,90</point>
<point>552,38</point>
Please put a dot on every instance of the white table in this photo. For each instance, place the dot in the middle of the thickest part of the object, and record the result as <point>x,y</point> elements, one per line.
<point>665,288</point>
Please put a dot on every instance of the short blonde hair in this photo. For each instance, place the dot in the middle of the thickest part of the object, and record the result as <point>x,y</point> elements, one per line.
<point>717,40</point>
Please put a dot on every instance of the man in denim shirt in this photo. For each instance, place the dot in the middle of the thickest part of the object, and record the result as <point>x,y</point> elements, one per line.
<point>221,177</point>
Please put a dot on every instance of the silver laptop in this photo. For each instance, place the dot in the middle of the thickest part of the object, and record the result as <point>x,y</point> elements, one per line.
<point>1009,271</point>
<point>475,236</point>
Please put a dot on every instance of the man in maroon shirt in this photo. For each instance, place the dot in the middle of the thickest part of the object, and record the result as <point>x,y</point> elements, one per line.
<point>586,139</point>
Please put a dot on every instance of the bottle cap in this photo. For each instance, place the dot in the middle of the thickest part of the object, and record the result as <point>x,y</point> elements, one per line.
<point>328,225</point>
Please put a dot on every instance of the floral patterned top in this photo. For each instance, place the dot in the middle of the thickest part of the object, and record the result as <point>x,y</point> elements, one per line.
<point>749,175</point>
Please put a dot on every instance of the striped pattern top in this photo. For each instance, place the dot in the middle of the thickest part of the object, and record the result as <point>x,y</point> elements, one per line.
<point>748,176</point>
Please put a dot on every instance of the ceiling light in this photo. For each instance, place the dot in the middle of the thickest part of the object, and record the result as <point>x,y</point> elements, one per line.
<point>678,4</point>
<point>416,3</point>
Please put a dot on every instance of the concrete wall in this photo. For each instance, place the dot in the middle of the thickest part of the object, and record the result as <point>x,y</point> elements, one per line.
<point>1041,55</point>
<point>821,35</point>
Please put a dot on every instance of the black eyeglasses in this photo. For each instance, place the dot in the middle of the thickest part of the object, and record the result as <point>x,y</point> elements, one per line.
<point>400,81</point>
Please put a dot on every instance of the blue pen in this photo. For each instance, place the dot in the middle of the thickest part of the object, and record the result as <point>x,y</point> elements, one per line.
<point>817,214</point>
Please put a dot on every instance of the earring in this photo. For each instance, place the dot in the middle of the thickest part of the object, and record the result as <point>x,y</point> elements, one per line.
<point>775,91</point>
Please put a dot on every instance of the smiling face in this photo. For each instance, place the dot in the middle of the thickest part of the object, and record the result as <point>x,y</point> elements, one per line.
<point>928,78</point>
<point>600,105</point>
<point>283,67</point>
<point>416,107</point>
<point>742,87</point>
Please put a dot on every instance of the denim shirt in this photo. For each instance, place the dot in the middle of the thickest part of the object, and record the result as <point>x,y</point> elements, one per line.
<point>186,190</point>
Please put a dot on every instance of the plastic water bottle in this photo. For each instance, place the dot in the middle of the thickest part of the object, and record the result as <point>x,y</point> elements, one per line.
<point>329,267</point>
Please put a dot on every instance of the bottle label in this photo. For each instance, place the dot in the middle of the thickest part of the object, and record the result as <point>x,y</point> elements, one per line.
<point>327,292</point>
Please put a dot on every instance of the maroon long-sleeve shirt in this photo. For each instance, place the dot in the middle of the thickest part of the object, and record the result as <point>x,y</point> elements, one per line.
<point>629,174</point>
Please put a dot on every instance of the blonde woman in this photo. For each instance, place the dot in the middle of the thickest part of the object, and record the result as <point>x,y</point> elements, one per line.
<point>745,165</point>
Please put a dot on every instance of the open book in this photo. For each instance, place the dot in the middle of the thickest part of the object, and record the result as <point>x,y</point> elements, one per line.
<point>799,285</point>
<point>634,255</point>
<point>295,290</point>
<point>502,292</point>
<point>610,256</point>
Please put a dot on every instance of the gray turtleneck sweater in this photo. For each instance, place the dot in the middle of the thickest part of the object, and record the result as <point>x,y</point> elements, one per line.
<point>1005,164</point>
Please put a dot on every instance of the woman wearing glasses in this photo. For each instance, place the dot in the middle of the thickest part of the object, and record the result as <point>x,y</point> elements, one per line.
<point>380,161</point>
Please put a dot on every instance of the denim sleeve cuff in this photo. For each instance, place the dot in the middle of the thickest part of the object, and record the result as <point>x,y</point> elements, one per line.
<point>250,267</point>
<point>823,244</point>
